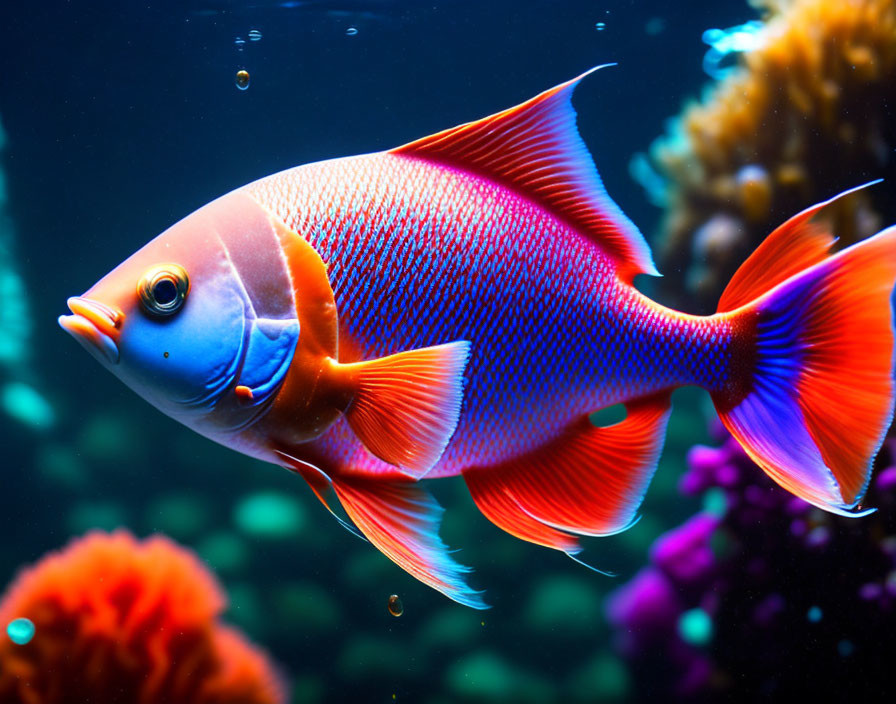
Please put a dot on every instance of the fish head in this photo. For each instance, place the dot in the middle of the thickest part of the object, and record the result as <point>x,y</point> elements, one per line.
<point>203,310</point>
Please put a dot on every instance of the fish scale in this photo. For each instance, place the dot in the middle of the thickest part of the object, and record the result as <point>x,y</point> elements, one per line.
<point>551,325</point>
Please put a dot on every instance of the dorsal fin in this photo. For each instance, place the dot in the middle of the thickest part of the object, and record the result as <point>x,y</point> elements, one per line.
<point>535,149</point>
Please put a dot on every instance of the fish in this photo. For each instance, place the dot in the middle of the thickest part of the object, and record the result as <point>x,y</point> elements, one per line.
<point>462,305</point>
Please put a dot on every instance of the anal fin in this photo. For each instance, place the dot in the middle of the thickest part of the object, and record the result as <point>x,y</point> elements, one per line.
<point>588,481</point>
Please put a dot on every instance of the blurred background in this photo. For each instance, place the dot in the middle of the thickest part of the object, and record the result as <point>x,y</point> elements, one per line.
<point>118,120</point>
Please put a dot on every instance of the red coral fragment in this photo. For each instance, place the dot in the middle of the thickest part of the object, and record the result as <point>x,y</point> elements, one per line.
<point>119,620</point>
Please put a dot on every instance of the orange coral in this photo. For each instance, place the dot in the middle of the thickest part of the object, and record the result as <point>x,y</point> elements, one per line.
<point>804,117</point>
<point>119,620</point>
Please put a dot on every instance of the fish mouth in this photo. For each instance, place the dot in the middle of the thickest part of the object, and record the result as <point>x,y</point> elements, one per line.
<point>95,325</point>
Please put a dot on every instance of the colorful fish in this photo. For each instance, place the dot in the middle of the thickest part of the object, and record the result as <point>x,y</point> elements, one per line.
<point>460,305</point>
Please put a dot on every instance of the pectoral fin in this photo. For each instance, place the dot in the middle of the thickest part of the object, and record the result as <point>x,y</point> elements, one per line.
<point>405,407</point>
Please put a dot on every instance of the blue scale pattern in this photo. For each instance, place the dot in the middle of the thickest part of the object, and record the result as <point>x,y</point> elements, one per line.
<point>421,254</point>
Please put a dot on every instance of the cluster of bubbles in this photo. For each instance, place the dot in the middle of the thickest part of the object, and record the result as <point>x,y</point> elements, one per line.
<point>242,78</point>
<point>254,36</point>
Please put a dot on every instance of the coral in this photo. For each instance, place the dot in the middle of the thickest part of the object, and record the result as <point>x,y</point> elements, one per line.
<point>761,594</point>
<point>805,117</point>
<point>120,620</point>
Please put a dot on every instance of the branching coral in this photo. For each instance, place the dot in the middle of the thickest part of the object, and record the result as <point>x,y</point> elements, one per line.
<point>808,115</point>
<point>118,620</point>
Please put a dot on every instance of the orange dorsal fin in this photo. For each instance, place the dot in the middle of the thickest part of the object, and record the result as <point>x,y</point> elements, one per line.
<point>588,481</point>
<point>405,406</point>
<point>791,248</point>
<point>535,149</point>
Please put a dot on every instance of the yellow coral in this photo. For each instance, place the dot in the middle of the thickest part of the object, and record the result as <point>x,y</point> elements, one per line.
<point>806,115</point>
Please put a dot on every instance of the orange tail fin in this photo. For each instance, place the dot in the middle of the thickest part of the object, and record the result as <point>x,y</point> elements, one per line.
<point>820,399</point>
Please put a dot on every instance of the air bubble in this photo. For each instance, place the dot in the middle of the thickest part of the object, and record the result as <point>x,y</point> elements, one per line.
<point>396,608</point>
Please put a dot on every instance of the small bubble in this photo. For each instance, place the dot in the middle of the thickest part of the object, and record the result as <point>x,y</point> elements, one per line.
<point>254,35</point>
<point>351,31</point>
<point>396,608</point>
<point>242,79</point>
<point>20,631</point>
<point>600,26</point>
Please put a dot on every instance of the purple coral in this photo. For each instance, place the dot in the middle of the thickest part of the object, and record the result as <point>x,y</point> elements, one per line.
<point>685,553</point>
<point>796,599</point>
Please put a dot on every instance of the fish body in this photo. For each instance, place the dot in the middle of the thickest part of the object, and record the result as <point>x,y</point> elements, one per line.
<point>461,305</point>
<point>420,254</point>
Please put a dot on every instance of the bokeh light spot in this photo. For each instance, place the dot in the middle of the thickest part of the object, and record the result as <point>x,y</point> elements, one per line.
<point>695,627</point>
<point>20,631</point>
<point>269,514</point>
<point>26,405</point>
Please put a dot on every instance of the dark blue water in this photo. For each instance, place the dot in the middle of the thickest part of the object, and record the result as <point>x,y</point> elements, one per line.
<point>123,118</point>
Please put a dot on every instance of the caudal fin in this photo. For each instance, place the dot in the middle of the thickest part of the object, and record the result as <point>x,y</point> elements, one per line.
<point>818,397</point>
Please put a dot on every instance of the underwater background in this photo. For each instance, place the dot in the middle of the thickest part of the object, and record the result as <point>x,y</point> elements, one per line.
<point>120,119</point>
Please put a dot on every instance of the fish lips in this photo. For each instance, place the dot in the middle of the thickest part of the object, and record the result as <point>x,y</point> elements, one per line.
<point>95,325</point>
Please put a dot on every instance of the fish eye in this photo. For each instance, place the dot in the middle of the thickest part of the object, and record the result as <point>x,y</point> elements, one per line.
<point>163,289</point>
